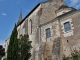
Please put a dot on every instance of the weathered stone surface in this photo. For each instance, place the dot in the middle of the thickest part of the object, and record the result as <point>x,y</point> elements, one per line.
<point>52,15</point>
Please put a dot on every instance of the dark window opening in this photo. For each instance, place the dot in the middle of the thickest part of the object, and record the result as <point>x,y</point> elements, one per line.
<point>30,26</point>
<point>48,33</point>
<point>67,41</point>
<point>67,26</point>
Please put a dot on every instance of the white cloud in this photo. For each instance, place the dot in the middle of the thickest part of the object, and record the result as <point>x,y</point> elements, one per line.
<point>77,6</point>
<point>1,0</point>
<point>18,2</point>
<point>4,14</point>
<point>75,3</point>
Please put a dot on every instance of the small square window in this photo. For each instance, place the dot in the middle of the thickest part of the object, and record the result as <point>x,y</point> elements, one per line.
<point>48,33</point>
<point>67,26</point>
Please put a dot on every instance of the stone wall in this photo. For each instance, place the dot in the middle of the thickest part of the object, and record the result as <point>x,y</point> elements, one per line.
<point>71,39</point>
<point>41,19</point>
<point>49,9</point>
<point>50,42</point>
<point>68,41</point>
<point>33,21</point>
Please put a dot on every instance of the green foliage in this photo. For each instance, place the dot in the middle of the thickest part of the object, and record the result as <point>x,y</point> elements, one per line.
<point>65,58</point>
<point>2,51</point>
<point>12,52</point>
<point>25,47</point>
<point>74,56</point>
<point>18,49</point>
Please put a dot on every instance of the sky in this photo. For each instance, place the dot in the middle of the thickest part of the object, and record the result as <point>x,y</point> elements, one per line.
<point>10,10</point>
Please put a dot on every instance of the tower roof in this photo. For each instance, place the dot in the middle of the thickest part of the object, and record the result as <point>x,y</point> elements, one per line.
<point>20,18</point>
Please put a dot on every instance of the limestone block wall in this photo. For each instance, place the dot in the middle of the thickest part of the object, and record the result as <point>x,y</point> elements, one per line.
<point>26,26</point>
<point>33,35</point>
<point>63,11</point>
<point>71,39</point>
<point>49,42</point>
<point>21,29</point>
<point>54,27</point>
<point>30,26</point>
<point>48,12</point>
<point>18,29</point>
<point>6,46</point>
<point>33,32</point>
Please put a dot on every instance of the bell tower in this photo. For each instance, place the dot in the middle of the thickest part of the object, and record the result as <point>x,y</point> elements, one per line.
<point>20,18</point>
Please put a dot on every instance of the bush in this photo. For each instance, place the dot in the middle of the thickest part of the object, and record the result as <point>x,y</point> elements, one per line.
<point>74,56</point>
<point>66,58</point>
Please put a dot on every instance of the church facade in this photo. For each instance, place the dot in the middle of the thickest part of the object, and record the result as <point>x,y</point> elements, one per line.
<point>53,28</point>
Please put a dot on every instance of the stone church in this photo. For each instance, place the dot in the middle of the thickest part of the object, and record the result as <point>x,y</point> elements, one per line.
<point>53,28</point>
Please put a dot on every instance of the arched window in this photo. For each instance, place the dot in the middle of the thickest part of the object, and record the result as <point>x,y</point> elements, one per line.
<point>30,23</point>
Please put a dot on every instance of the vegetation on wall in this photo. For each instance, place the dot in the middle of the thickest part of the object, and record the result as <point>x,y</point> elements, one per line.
<point>74,56</point>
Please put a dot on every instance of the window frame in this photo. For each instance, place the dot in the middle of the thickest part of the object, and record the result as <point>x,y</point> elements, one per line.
<point>48,33</point>
<point>67,26</point>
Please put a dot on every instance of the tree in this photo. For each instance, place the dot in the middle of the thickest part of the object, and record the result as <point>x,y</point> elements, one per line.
<point>2,51</point>
<point>12,52</point>
<point>25,47</point>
